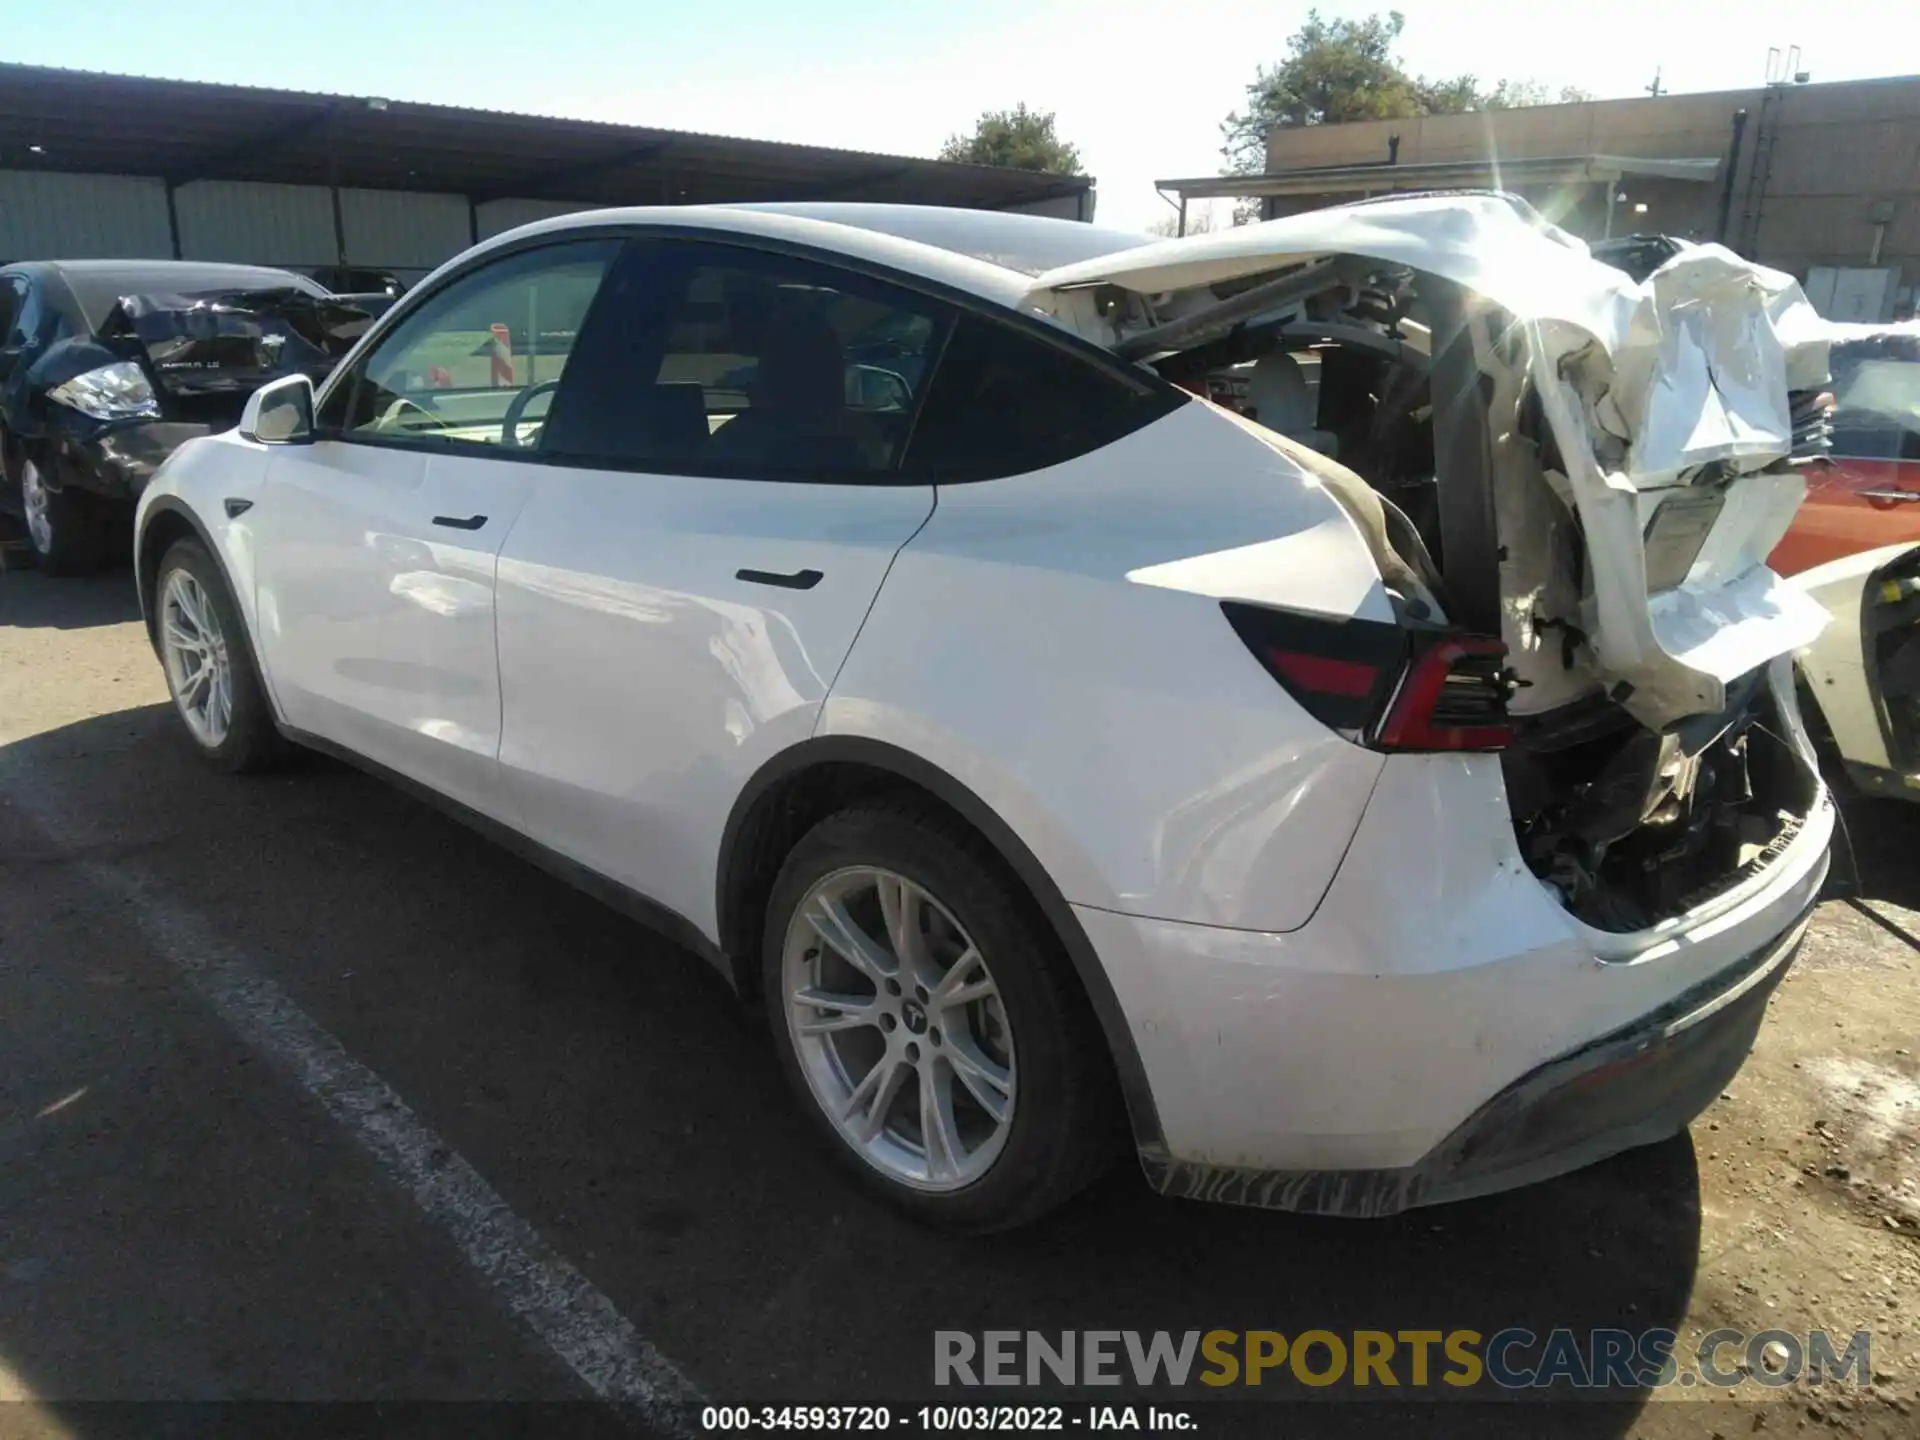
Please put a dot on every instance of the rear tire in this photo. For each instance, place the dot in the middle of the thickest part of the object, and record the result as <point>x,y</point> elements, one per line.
<point>203,648</point>
<point>980,1037</point>
<point>65,528</point>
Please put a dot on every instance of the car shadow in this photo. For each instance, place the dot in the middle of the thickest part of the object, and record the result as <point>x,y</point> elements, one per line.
<point>626,1106</point>
<point>30,599</point>
<point>1873,861</point>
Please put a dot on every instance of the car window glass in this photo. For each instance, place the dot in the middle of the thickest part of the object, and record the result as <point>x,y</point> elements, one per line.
<point>1877,406</point>
<point>711,360</point>
<point>478,362</point>
<point>1004,402</point>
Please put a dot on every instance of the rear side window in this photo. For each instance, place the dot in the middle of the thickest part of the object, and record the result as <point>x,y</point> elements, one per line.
<point>709,359</point>
<point>1004,402</point>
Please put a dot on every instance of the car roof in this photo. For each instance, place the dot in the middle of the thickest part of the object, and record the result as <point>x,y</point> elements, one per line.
<point>984,252</point>
<point>96,285</point>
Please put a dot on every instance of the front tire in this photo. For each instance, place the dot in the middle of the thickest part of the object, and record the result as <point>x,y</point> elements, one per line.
<point>928,1023</point>
<point>64,527</point>
<point>210,674</point>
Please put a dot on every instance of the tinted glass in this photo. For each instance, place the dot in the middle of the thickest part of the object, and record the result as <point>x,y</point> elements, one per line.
<point>478,362</point>
<point>707,359</point>
<point>1004,402</point>
<point>1876,390</point>
<point>98,285</point>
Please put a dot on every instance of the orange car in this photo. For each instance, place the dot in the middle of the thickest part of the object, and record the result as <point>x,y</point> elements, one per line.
<point>1870,496</point>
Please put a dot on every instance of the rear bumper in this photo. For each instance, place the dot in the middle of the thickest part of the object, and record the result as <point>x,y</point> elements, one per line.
<point>117,463</point>
<point>1639,1085</point>
<point>1442,1026</point>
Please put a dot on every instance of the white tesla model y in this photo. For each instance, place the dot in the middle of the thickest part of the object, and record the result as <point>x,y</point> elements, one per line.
<point>1387,791</point>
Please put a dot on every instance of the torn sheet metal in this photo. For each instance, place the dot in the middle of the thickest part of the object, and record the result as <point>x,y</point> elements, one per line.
<point>231,341</point>
<point>1669,402</point>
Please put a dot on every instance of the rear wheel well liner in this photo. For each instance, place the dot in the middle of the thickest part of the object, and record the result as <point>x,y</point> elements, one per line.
<point>802,785</point>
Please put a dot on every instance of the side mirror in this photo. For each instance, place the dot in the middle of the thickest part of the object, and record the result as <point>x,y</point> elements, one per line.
<point>280,413</point>
<point>871,388</point>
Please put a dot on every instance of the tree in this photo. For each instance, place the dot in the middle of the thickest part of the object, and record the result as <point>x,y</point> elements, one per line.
<point>1339,70</point>
<point>1513,94</point>
<point>1199,222</point>
<point>1335,70</point>
<point>1018,139</point>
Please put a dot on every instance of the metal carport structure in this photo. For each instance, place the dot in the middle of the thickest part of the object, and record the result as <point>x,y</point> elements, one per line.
<point>183,139</point>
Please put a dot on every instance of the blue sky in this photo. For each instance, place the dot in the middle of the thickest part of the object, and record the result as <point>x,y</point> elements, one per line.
<point>1140,87</point>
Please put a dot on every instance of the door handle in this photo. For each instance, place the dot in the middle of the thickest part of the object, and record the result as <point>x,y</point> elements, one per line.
<point>452,522</point>
<point>1893,497</point>
<point>798,580</point>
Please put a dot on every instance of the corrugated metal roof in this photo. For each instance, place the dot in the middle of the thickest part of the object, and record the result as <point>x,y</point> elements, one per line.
<point>186,130</point>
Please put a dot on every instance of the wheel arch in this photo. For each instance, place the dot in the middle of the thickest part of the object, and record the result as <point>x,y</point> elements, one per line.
<point>802,785</point>
<point>165,522</point>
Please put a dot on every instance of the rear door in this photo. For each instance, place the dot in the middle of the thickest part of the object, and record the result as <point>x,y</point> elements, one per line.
<point>692,566</point>
<point>377,544</point>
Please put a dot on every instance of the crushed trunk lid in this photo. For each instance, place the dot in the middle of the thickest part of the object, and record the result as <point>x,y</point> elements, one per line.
<point>233,342</point>
<point>1674,415</point>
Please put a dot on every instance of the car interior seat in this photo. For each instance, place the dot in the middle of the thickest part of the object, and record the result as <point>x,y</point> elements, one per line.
<point>1279,398</point>
<point>798,416</point>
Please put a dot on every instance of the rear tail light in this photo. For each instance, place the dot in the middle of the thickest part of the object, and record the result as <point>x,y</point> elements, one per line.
<point>1454,697</point>
<point>1381,685</point>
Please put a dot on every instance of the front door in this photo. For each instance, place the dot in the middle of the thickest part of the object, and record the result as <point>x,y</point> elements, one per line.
<point>678,596</point>
<point>378,542</point>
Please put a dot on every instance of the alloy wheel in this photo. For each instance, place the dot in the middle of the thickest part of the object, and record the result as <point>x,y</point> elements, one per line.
<point>34,501</point>
<point>199,671</point>
<point>899,1028</point>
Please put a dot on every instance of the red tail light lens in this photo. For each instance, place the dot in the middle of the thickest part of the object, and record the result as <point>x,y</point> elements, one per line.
<point>1454,697</point>
<point>1341,672</point>
<point>1380,685</point>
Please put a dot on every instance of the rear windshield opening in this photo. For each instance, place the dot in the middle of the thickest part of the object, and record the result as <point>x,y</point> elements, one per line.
<point>1346,375</point>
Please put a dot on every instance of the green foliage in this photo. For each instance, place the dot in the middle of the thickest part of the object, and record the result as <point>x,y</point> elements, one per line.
<point>1339,70</point>
<point>1018,139</point>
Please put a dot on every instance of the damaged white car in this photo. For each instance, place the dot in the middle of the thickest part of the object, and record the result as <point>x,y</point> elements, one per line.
<point>1395,796</point>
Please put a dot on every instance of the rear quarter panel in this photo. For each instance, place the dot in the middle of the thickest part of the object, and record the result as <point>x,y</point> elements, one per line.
<point>1054,642</point>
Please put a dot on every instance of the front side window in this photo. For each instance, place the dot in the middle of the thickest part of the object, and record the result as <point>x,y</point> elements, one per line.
<point>712,359</point>
<point>478,362</point>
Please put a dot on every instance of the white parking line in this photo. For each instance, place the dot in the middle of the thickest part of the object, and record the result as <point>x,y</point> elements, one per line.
<point>556,1302</point>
